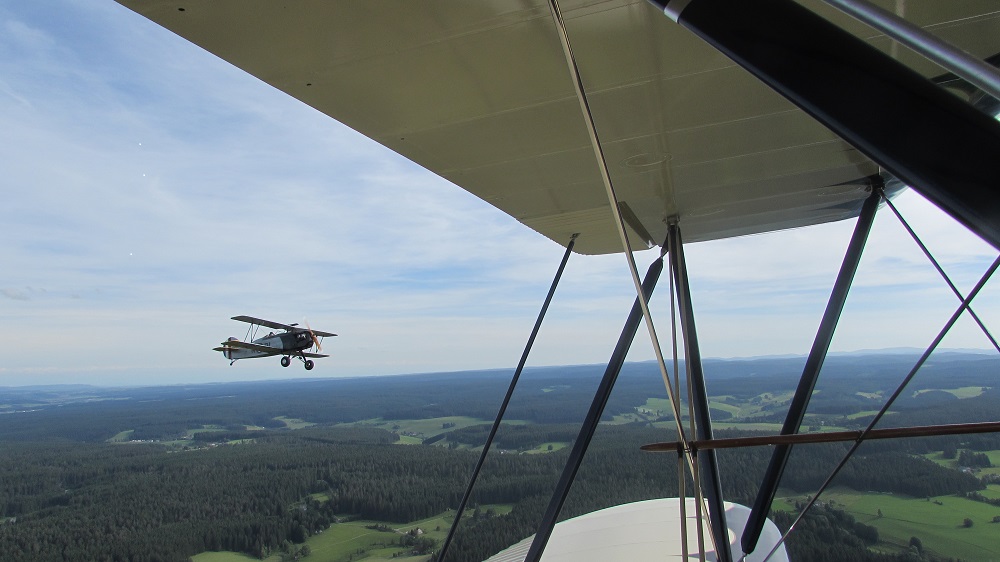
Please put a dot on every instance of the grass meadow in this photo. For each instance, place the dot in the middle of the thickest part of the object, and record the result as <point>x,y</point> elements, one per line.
<point>937,522</point>
<point>353,540</point>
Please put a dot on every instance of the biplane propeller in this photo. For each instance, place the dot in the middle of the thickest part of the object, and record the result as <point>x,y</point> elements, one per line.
<point>294,341</point>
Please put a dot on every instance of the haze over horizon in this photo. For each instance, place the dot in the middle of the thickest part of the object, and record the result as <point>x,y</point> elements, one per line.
<point>152,191</point>
<point>261,376</point>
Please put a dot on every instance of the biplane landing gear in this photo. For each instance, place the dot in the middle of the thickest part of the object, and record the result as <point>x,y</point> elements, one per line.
<point>309,364</point>
<point>285,361</point>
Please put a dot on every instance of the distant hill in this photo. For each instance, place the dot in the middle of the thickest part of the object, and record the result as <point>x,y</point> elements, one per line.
<point>848,384</point>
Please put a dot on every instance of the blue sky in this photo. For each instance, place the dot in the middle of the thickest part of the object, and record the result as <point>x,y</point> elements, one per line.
<point>152,191</point>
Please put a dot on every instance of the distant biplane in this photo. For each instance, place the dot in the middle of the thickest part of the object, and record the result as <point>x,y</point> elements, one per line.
<point>293,341</point>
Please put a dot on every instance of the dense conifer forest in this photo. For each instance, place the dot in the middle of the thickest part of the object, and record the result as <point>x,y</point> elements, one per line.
<point>166,473</point>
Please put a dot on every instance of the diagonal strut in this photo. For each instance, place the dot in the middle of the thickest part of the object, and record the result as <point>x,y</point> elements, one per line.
<point>506,399</point>
<point>810,372</point>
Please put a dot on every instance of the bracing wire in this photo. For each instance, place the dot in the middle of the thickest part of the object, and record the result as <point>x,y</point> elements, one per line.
<point>885,408</point>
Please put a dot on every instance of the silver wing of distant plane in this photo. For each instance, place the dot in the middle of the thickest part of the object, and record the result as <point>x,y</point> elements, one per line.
<point>267,350</point>
<point>280,326</point>
<point>267,323</point>
<point>228,347</point>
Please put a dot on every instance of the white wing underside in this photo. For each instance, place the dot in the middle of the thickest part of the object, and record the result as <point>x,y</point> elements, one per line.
<point>480,93</point>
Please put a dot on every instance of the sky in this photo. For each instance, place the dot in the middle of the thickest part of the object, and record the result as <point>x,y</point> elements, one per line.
<point>150,191</point>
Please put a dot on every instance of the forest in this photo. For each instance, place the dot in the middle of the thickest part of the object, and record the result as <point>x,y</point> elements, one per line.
<point>216,467</point>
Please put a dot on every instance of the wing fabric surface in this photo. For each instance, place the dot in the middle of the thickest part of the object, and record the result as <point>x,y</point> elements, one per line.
<point>264,349</point>
<point>267,323</point>
<point>252,347</point>
<point>685,132</point>
<point>280,326</point>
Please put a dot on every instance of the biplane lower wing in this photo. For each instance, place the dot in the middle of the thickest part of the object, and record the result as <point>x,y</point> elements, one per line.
<point>229,345</point>
<point>250,346</point>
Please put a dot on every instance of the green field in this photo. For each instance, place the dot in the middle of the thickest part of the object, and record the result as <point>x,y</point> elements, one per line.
<point>726,424</point>
<point>122,436</point>
<point>657,406</point>
<point>354,540</point>
<point>293,423</point>
<point>937,522</point>
<point>226,557</point>
<point>961,392</point>
<point>126,436</point>
<point>726,403</point>
<point>736,411</point>
<point>768,427</point>
<point>994,456</point>
<point>408,440</point>
<point>992,491</point>
<point>995,461</point>
<point>415,431</point>
<point>544,448</point>
<point>342,540</point>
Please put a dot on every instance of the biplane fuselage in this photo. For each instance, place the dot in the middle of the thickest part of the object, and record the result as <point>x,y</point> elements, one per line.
<point>282,344</point>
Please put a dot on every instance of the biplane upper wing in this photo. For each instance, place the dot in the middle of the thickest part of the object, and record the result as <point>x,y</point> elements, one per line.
<point>267,323</point>
<point>480,93</point>
<point>280,326</point>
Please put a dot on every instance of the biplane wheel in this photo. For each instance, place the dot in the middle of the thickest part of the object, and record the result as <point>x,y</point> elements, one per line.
<point>285,361</point>
<point>309,364</point>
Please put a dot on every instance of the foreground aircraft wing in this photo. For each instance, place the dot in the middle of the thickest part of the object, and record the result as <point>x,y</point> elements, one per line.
<point>250,346</point>
<point>480,94</point>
